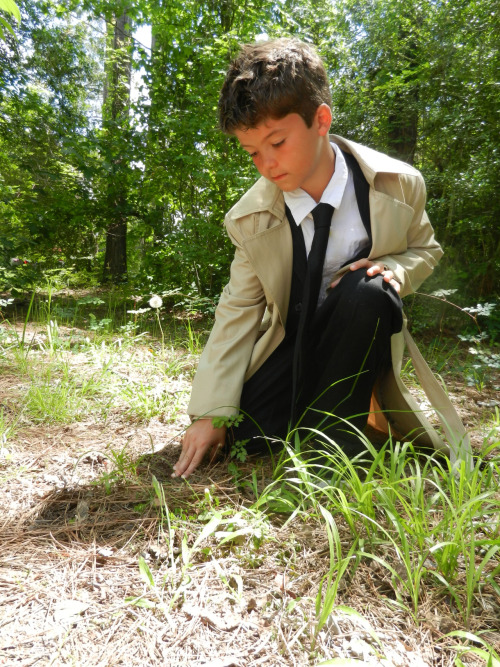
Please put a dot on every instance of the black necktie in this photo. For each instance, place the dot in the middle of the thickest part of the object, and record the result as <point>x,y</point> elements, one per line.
<point>322,216</point>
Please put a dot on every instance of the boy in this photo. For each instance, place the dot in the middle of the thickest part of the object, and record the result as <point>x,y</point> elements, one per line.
<point>327,241</point>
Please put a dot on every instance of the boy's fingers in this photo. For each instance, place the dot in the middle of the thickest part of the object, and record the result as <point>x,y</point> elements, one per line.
<point>335,282</point>
<point>189,460</point>
<point>361,264</point>
<point>373,269</point>
<point>187,453</point>
<point>194,463</point>
<point>396,285</point>
<point>198,439</point>
<point>389,278</point>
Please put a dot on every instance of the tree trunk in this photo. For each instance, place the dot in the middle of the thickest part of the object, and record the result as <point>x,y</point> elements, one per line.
<point>115,258</point>
<point>403,129</point>
<point>404,114</point>
<point>116,124</point>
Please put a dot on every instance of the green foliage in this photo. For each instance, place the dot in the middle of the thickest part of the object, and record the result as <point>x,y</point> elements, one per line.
<point>81,160</point>
<point>420,81</point>
<point>479,647</point>
<point>220,527</point>
<point>46,209</point>
<point>9,7</point>
<point>123,469</point>
<point>219,422</point>
<point>239,451</point>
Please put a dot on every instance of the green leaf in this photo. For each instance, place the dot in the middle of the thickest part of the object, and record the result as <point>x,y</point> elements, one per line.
<point>10,7</point>
<point>146,572</point>
<point>208,530</point>
<point>487,656</point>
<point>488,653</point>
<point>7,26</point>
<point>141,602</point>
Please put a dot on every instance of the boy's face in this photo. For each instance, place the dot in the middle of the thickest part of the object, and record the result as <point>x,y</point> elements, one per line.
<point>290,154</point>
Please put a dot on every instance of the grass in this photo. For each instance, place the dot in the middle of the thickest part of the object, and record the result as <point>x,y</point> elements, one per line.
<point>56,394</point>
<point>317,565</point>
<point>413,514</point>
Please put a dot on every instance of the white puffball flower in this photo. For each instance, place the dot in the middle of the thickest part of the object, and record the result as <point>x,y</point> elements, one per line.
<point>155,301</point>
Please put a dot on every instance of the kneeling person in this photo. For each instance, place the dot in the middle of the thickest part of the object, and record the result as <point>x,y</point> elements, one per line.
<point>326,242</point>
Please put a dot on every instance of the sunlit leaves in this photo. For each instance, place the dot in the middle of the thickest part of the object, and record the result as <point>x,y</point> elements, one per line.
<point>417,79</point>
<point>9,7</point>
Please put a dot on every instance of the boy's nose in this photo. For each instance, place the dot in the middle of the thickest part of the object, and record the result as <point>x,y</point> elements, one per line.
<point>270,161</point>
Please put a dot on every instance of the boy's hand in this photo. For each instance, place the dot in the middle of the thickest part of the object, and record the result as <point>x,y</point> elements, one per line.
<point>372,269</point>
<point>198,439</point>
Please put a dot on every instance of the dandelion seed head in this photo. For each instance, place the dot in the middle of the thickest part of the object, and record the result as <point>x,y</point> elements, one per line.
<point>155,301</point>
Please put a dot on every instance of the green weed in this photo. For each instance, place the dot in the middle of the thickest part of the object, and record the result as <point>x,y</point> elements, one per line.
<point>193,340</point>
<point>145,402</point>
<point>54,395</point>
<point>7,427</point>
<point>220,527</point>
<point>328,588</point>
<point>415,515</point>
<point>484,651</point>
<point>124,469</point>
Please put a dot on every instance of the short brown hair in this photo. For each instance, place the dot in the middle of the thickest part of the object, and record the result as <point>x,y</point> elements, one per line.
<point>270,80</point>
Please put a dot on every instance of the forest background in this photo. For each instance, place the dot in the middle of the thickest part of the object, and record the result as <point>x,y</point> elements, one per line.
<point>112,182</point>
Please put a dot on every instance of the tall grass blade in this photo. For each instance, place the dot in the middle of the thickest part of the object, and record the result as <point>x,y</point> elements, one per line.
<point>26,319</point>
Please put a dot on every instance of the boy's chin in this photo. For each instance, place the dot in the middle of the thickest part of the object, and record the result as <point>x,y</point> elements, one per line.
<point>284,187</point>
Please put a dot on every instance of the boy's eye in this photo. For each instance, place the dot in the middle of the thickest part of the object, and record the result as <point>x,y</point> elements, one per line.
<point>278,143</point>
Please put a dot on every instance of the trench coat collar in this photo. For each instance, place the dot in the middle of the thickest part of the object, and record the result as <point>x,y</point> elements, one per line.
<point>372,162</point>
<point>266,196</point>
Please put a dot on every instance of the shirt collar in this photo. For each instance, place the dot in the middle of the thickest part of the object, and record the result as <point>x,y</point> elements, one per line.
<point>301,204</point>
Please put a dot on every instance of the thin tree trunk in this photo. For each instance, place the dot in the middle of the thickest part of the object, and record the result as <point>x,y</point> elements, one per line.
<point>116,122</point>
<point>403,130</point>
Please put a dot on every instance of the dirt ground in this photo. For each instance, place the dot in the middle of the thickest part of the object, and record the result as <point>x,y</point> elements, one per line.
<point>79,512</point>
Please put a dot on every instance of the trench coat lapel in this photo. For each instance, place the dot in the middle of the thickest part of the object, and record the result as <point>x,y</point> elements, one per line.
<point>389,217</point>
<point>270,253</point>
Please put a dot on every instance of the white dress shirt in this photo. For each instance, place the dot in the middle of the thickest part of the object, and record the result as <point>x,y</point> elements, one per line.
<point>347,232</point>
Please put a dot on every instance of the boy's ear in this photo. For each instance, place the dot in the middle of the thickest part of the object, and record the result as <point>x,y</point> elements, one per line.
<point>323,119</point>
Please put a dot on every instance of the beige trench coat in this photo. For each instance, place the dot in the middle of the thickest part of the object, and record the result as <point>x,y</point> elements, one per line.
<point>251,315</point>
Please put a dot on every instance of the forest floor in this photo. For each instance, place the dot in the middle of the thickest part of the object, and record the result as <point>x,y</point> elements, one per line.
<point>107,560</point>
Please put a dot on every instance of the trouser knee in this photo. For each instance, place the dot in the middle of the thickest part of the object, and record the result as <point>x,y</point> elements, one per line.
<point>364,300</point>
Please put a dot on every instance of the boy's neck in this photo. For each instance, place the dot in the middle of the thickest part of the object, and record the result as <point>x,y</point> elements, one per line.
<point>325,171</point>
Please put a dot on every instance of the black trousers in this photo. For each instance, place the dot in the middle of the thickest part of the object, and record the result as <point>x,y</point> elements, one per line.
<point>348,345</point>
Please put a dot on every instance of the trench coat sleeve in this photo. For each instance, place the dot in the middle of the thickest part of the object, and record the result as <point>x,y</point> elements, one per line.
<point>416,261</point>
<point>219,379</point>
